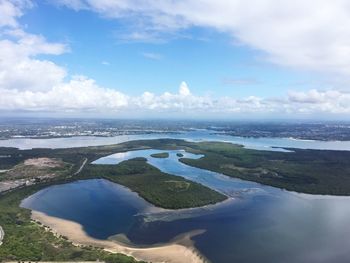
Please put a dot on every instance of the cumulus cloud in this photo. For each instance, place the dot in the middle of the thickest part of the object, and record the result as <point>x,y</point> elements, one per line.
<point>153,56</point>
<point>19,69</point>
<point>30,83</point>
<point>184,90</point>
<point>181,101</point>
<point>329,101</point>
<point>304,34</point>
<point>79,94</point>
<point>11,10</point>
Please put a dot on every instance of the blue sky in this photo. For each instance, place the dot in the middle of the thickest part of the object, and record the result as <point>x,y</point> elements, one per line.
<point>209,61</point>
<point>112,57</point>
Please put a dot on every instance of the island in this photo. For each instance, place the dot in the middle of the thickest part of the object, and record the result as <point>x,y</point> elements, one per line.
<point>161,189</point>
<point>160,155</point>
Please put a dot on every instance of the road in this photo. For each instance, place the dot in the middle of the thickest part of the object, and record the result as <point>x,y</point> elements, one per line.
<point>2,234</point>
<point>81,167</point>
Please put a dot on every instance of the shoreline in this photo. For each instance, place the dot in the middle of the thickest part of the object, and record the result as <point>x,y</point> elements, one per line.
<point>173,252</point>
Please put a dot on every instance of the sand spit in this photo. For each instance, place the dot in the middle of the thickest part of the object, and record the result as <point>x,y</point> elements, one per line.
<point>174,252</point>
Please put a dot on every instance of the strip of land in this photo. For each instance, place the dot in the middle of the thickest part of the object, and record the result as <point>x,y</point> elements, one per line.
<point>170,253</point>
<point>161,189</point>
<point>160,155</point>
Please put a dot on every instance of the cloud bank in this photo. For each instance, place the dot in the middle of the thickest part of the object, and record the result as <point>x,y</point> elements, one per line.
<point>298,35</point>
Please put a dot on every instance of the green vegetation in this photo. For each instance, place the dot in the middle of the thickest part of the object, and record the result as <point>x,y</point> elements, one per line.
<point>307,171</point>
<point>161,189</point>
<point>29,241</point>
<point>160,155</point>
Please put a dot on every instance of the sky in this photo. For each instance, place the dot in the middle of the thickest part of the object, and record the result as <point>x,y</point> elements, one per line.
<point>224,59</point>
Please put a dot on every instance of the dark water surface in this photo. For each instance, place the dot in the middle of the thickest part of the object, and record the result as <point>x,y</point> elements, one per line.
<point>258,224</point>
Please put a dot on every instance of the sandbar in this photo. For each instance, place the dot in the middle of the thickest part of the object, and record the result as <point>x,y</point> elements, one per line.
<point>173,252</point>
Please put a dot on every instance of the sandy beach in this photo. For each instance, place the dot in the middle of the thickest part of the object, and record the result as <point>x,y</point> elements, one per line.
<point>173,252</point>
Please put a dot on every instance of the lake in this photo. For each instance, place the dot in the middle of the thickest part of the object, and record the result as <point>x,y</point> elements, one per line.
<point>193,135</point>
<point>258,224</point>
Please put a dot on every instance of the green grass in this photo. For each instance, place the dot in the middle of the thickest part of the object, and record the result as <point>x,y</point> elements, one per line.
<point>161,189</point>
<point>160,155</point>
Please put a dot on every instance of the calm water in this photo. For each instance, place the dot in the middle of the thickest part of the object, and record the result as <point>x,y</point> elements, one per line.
<point>195,135</point>
<point>260,224</point>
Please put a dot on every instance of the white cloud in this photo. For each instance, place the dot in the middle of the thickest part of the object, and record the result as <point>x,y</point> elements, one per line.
<point>184,90</point>
<point>153,56</point>
<point>79,94</point>
<point>303,34</point>
<point>170,102</point>
<point>31,45</point>
<point>309,102</point>
<point>83,95</point>
<point>31,84</point>
<point>19,69</point>
<point>11,10</point>
<point>314,101</point>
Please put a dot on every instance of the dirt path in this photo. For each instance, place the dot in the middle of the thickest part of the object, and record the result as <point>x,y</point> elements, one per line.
<point>2,234</point>
<point>81,167</point>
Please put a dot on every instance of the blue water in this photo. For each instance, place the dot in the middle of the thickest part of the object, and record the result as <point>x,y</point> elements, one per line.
<point>111,206</point>
<point>258,224</point>
<point>229,186</point>
<point>193,135</point>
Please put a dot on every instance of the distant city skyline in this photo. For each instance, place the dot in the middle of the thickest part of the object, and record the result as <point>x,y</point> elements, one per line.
<point>225,59</point>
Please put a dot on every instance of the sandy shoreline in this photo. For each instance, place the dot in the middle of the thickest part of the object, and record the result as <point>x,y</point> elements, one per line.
<point>172,253</point>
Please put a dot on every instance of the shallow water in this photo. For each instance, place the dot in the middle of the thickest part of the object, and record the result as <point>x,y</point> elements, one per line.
<point>260,224</point>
